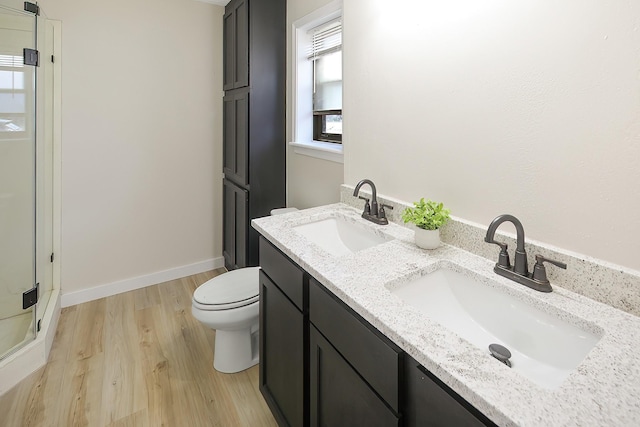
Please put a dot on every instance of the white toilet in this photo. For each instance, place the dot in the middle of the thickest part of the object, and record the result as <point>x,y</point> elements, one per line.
<point>229,304</point>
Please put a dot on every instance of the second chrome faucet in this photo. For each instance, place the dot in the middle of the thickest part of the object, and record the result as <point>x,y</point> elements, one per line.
<point>519,272</point>
<point>371,211</point>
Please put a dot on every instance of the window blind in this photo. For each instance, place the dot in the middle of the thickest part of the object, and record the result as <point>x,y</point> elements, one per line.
<point>11,61</point>
<point>325,39</point>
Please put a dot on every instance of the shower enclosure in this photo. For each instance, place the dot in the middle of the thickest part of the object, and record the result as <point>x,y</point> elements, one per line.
<point>26,167</point>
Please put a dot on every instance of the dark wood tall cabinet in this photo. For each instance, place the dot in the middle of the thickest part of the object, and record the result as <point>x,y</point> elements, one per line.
<point>254,122</point>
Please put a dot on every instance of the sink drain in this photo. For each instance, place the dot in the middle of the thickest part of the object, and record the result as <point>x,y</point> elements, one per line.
<point>501,353</point>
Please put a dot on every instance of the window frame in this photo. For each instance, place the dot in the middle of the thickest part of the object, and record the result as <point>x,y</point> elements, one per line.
<point>319,123</point>
<point>304,141</point>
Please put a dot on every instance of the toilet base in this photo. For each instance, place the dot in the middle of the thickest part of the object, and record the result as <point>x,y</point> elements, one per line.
<point>235,350</point>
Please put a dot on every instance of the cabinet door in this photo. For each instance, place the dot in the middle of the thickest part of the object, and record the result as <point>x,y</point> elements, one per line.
<point>235,225</point>
<point>372,356</point>
<point>236,137</point>
<point>430,403</point>
<point>281,354</point>
<point>236,45</point>
<point>339,396</point>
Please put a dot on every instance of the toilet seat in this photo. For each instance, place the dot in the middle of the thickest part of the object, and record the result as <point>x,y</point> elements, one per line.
<point>237,288</point>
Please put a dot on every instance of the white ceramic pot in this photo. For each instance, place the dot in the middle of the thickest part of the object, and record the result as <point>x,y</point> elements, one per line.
<point>427,239</point>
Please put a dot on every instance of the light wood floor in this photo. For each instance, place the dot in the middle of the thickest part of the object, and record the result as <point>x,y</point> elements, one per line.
<point>135,359</point>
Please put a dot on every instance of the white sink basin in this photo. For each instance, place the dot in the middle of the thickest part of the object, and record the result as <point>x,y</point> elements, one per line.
<point>338,236</point>
<point>544,348</point>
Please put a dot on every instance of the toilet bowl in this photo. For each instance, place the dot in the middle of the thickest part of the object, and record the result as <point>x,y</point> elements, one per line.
<point>229,304</point>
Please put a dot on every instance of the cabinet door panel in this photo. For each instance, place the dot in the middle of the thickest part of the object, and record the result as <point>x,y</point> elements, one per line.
<point>242,45</point>
<point>339,396</point>
<point>241,171</point>
<point>281,354</point>
<point>430,403</point>
<point>229,135</point>
<point>236,137</point>
<point>373,356</point>
<point>228,55</point>
<point>235,225</point>
<point>236,45</point>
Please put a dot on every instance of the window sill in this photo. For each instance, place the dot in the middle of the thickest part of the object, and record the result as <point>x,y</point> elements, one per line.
<point>320,150</point>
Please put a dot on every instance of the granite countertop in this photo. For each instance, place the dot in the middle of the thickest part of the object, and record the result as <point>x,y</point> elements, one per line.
<point>604,390</point>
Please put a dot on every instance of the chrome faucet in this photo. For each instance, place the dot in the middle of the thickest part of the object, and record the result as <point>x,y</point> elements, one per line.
<point>519,272</point>
<point>371,211</point>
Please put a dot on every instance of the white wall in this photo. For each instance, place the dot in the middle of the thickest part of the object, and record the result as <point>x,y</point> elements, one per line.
<point>310,181</point>
<point>141,137</point>
<point>529,107</point>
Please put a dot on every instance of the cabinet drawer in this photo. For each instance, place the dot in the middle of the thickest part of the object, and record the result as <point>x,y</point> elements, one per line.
<point>375,358</point>
<point>283,272</point>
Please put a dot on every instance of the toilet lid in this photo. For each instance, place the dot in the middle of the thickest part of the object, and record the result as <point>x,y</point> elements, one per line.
<point>229,290</point>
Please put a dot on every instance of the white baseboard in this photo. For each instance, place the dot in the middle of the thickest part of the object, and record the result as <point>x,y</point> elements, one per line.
<point>114,288</point>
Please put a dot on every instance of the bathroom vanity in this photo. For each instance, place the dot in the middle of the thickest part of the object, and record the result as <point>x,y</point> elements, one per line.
<point>334,330</point>
<point>317,353</point>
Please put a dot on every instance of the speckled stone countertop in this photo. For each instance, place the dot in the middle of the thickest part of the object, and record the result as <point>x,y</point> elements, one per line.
<point>604,390</point>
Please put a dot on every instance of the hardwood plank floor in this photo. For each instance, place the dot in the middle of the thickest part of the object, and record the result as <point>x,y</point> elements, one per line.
<point>135,359</point>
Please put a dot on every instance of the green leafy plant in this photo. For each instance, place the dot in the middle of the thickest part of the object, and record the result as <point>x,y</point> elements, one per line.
<point>427,215</point>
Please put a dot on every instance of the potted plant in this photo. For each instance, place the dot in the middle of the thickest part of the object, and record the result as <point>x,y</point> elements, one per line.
<point>428,217</point>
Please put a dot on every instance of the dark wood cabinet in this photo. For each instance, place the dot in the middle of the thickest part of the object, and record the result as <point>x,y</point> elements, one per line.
<point>283,337</point>
<point>373,356</point>
<point>431,403</point>
<point>281,354</point>
<point>254,115</point>
<point>322,364</point>
<point>339,396</point>
<point>354,370</point>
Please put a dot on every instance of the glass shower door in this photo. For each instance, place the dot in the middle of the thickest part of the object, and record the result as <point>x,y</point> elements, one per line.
<point>17,179</point>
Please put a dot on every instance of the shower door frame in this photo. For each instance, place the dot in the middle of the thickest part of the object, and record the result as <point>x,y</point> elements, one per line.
<point>20,148</point>
<point>46,137</point>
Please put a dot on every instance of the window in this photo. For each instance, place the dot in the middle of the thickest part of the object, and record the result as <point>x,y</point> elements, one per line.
<point>325,52</point>
<point>317,84</point>
<point>13,96</point>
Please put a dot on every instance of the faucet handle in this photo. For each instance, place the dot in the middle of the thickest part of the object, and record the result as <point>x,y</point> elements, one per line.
<point>381,212</point>
<point>367,206</point>
<point>539,270</point>
<point>503,257</point>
